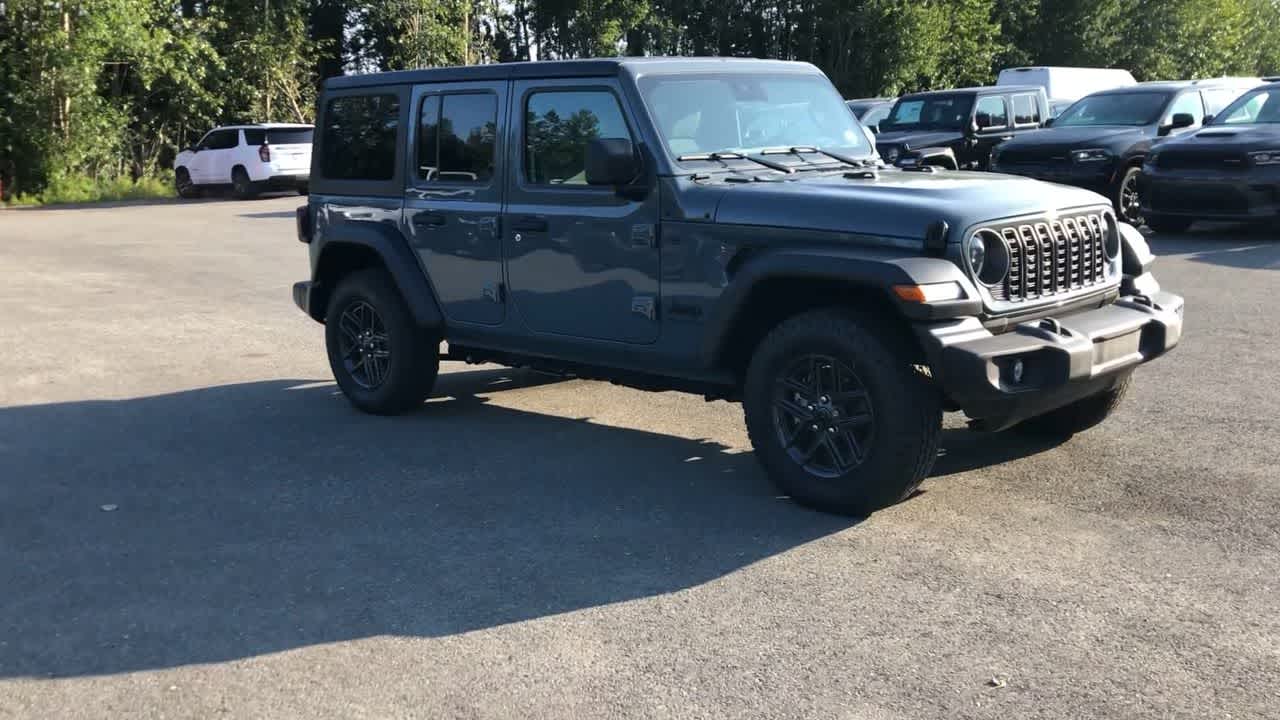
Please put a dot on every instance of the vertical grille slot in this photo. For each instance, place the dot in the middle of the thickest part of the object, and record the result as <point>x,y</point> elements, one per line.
<point>1054,256</point>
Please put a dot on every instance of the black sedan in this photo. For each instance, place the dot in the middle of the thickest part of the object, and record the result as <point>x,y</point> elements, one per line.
<point>1230,170</point>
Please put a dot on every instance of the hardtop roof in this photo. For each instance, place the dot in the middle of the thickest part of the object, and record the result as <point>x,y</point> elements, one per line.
<point>977,90</point>
<point>597,67</point>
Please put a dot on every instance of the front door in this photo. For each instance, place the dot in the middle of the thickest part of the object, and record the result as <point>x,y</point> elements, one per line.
<point>204,161</point>
<point>453,196</point>
<point>582,260</point>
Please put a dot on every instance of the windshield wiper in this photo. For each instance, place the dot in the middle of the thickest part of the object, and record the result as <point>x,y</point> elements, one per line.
<point>735,155</point>
<point>841,157</point>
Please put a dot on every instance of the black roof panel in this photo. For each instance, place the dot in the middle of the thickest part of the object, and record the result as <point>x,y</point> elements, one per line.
<point>600,67</point>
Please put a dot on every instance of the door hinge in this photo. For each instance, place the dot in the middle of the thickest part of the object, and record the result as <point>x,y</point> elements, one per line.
<point>644,236</point>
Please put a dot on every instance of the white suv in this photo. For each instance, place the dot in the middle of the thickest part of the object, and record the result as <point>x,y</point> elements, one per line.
<point>249,158</point>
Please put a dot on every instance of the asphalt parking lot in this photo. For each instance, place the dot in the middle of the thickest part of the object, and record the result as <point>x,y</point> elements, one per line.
<point>193,523</point>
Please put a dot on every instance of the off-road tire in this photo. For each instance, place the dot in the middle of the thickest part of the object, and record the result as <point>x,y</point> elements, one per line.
<point>1169,223</point>
<point>182,183</point>
<point>414,353</point>
<point>241,186</point>
<point>905,406</point>
<point>1079,415</point>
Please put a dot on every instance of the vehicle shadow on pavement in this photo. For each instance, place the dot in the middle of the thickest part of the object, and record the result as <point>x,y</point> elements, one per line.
<point>228,522</point>
<point>1246,247</point>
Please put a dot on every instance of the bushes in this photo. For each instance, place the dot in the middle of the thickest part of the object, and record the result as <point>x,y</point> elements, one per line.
<point>84,189</point>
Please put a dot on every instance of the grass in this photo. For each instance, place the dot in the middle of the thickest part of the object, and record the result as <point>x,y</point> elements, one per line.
<point>84,189</point>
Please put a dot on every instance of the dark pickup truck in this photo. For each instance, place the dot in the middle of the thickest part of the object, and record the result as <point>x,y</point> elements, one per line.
<point>720,227</point>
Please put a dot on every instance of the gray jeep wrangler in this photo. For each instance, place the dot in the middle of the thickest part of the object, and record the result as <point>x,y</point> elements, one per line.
<point>722,227</point>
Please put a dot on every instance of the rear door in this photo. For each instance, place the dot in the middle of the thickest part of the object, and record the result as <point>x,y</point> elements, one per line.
<point>582,260</point>
<point>453,196</point>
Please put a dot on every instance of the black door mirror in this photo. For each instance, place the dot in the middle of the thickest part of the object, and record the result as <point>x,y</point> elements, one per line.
<point>612,161</point>
<point>1181,120</point>
<point>1048,122</point>
<point>1207,119</point>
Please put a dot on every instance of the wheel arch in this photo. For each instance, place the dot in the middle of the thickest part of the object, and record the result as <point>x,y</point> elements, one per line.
<point>773,287</point>
<point>359,248</point>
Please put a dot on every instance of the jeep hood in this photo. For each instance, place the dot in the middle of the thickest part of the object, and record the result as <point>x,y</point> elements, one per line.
<point>898,204</point>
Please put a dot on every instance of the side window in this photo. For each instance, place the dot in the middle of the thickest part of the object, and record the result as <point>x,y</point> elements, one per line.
<point>875,115</point>
<point>254,138</point>
<point>456,135</point>
<point>220,140</point>
<point>359,138</point>
<point>558,125</point>
<point>1188,102</point>
<point>1025,110</point>
<point>1215,99</point>
<point>990,113</point>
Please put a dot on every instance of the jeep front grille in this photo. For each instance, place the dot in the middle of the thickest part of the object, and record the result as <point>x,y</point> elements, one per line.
<point>1048,257</point>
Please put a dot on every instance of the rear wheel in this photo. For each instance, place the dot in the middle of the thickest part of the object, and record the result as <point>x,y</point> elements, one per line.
<point>241,186</point>
<point>183,185</point>
<point>384,363</point>
<point>1125,197</point>
<point>841,421</point>
<point>1079,415</point>
<point>1169,224</point>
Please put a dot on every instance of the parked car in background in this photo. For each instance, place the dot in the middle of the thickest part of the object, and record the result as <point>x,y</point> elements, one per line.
<point>968,122</point>
<point>246,158</point>
<point>870,111</point>
<point>1230,170</point>
<point>1100,141</point>
<point>1065,85</point>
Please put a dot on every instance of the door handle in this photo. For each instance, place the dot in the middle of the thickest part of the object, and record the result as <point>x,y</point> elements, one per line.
<point>529,224</point>
<point>428,219</point>
<point>1006,137</point>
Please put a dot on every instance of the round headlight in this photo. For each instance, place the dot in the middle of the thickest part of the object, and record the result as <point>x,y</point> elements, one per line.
<point>1111,243</point>
<point>988,257</point>
<point>977,253</point>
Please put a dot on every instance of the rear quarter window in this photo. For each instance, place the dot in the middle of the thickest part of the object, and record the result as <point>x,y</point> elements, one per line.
<point>359,137</point>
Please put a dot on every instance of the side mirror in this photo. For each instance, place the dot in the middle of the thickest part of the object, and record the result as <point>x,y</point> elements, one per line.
<point>611,161</point>
<point>975,125</point>
<point>1180,120</point>
<point>1048,122</point>
<point>1207,119</point>
<point>875,129</point>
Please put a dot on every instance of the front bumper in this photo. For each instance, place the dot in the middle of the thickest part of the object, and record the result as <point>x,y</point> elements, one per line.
<point>303,296</point>
<point>1044,364</point>
<point>1210,196</point>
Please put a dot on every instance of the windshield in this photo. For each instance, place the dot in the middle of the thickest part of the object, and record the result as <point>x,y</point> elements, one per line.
<point>1135,108</point>
<point>747,113</point>
<point>1259,106</point>
<point>935,112</point>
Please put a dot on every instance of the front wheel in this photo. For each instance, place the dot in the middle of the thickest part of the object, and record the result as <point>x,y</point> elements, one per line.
<point>840,419</point>
<point>1169,224</point>
<point>184,186</point>
<point>1079,415</point>
<point>384,363</point>
<point>1125,197</point>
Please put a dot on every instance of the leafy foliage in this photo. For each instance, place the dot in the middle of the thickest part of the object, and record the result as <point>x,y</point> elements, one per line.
<point>106,89</point>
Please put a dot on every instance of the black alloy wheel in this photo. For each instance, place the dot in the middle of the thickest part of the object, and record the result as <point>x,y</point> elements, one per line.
<point>1128,203</point>
<point>364,344</point>
<point>823,415</point>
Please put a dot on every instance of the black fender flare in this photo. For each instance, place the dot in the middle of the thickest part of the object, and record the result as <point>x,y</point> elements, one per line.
<point>877,271</point>
<point>400,261</point>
